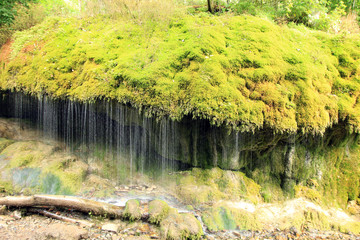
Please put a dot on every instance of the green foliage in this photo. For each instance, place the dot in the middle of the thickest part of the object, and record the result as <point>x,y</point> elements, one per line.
<point>315,14</point>
<point>25,19</point>
<point>8,10</point>
<point>318,14</point>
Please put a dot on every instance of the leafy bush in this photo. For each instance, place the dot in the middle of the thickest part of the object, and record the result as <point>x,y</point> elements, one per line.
<point>8,10</point>
<point>315,14</point>
<point>139,11</point>
<point>26,18</point>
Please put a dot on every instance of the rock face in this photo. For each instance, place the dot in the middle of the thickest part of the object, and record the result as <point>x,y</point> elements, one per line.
<point>15,130</point>
<point>276,161</point>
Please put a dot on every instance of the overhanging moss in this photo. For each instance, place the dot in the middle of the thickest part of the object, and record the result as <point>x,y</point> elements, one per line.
<point>244,72</point>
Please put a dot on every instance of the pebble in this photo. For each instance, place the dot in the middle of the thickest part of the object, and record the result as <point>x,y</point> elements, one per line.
<point>17,214</point>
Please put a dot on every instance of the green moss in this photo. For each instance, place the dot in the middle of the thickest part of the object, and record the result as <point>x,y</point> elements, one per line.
<point>181,226</point>
<point>51,184</point>
<point>6,187</point>
<point>174,225</point>
<point>158,210</point>
<point>37,164</point>
<point>25,154</point>
<point>235,72</point>
<point>200,186</point>
<point>311,194</point>
<point>348,227</point>
<point>223,217</point>
<point>132,210</point>
<point>314,219</point>
<point>70,174</point>
<point>4,143</point>
<point>309,218</point>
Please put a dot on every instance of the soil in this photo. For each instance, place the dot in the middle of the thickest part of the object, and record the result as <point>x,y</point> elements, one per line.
<point>16,224</point>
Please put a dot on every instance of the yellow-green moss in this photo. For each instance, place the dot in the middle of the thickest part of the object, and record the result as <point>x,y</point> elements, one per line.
<point>223,217</point>
<point>200,186</point>
<point>158,210</point>
<point>71,173</point>
<point>309,218</point>
<point>348,227</point>
<point>228,69</point>
<point>181,226</point>
<point>63,174</point>
<point>26,153</point>
<point>6,187</point>
<point>4,143</point>
<point>311,194</point>
<point>132,210</point>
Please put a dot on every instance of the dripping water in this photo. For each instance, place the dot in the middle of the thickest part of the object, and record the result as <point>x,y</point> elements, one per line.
<point>126,139</point>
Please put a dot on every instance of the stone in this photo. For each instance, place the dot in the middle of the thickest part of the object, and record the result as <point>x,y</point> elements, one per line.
<point>294,230</point>
<point>181,226</point>
<point>110,227</point>
<point>17,214</point>
<point>158,210</point>
<point>132,210</point>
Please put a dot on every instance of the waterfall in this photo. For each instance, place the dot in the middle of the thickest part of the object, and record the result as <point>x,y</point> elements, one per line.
<point>124,139</point>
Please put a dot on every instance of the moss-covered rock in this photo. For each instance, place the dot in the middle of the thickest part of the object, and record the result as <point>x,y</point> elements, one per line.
<point>223,217</point>
<point>132,210</point>
<point>181,226</point>
<point>39,167</point>
<point>200,186</point>
<point>311,194</point>
<point>4,143</point>
<point>174,225</point>
<point>158,210</point>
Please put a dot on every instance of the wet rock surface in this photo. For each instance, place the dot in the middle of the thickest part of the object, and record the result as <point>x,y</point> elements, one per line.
<point>146,218</point>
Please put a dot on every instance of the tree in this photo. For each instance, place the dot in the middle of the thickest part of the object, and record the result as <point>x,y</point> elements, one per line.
<point>209,6</point>
<point>8,10</point>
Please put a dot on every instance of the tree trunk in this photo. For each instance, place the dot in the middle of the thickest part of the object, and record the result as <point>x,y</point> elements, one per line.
<point>83,205</point>
<point>209,6</point>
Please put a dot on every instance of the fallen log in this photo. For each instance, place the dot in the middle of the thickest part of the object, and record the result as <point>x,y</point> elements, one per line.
<point>61,218</point>
<point>76,203</point>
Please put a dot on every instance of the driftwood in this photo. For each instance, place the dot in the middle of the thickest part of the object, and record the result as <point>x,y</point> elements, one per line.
<point>61,218</point>
<point>82,205</point>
